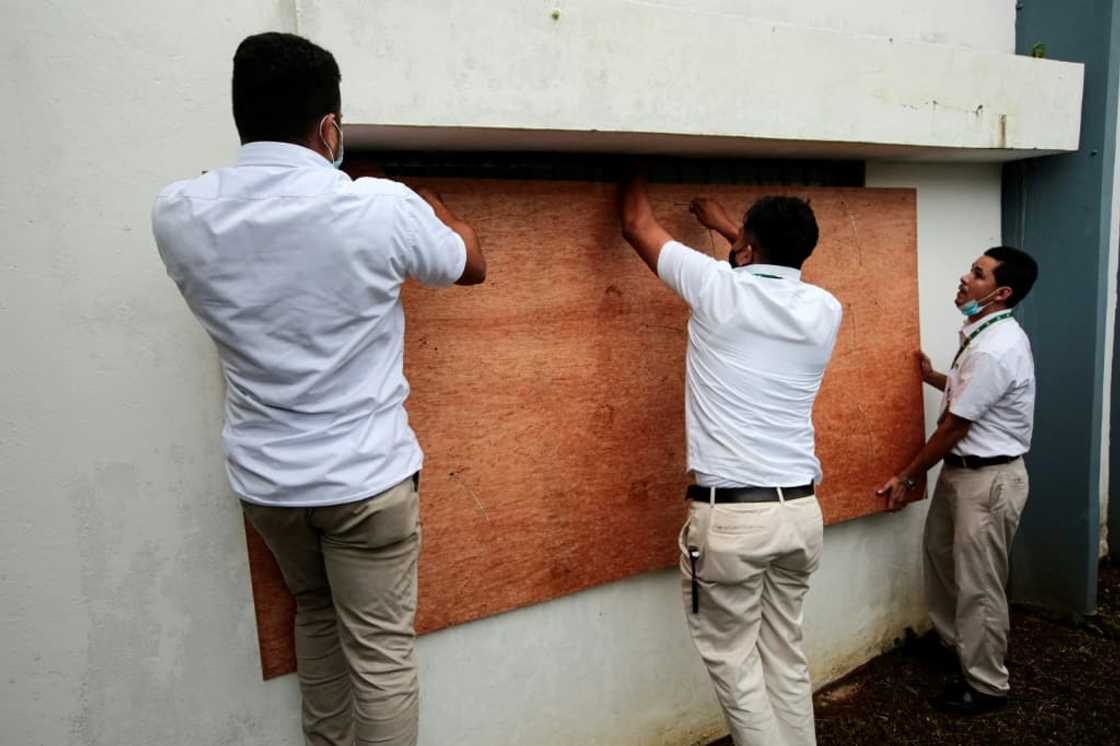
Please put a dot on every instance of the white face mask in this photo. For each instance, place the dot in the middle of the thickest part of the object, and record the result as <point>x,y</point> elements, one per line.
<point>336,162</point>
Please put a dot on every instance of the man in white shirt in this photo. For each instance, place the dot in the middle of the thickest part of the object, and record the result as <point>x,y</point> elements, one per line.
<point>295,271</point>
<point>987,414</point>
<point>758,342</point>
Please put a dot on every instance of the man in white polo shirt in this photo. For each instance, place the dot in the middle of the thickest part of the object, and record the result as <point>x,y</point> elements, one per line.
<point>758,342</point>
<point>295,271</point>
<point>987,415</point>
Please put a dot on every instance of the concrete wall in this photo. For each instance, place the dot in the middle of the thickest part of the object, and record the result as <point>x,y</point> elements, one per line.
<point>1111,299</point>
<point>671,68</point>
<point>126,615</point>
<point>1060,210</point>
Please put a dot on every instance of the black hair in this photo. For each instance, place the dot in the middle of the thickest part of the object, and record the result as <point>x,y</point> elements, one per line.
<point>783,228</point>
<point>282,86</point>
<point>1016,270</point>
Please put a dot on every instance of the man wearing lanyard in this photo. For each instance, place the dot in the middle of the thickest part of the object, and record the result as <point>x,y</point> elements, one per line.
<point>295,271</point>
<point>987,414</point>
<point>758,343</point>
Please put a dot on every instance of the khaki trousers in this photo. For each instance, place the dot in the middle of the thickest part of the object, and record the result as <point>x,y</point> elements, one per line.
<point>971,523</point>
<point>754,567</point>
<point>352,570</point>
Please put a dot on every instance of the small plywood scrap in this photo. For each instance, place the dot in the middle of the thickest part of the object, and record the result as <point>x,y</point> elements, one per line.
<point>549,401</point>
<point>274,606</point>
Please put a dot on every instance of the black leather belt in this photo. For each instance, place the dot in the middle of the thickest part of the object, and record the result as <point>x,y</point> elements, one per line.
<point>748,494</point>
<point>976,462</point>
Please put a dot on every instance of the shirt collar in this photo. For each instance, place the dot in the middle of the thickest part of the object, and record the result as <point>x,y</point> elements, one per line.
<point>776,270</point>
<point>269,153</point>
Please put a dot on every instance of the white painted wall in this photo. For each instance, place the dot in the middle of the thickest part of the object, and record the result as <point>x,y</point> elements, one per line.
<point>973,24</point>
<point>125,615</point>
<point>696,69</point>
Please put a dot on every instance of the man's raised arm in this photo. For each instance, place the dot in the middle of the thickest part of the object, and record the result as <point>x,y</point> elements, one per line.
<point>474,271</point>
<point>711,214</point>
<point>639,227</point>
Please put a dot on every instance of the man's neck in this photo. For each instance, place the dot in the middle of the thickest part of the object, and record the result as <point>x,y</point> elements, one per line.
<point>319,148</point>
<point>315,147</point>
<point>991,310</point>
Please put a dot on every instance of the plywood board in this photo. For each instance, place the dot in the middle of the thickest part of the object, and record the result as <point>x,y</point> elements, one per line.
<point>549,401</point>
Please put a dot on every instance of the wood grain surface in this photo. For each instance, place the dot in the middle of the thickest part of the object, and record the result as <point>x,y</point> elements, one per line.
<point>549,401</point>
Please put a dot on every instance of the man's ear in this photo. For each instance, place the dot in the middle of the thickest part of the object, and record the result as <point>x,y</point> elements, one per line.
<point>1003,294</point>
<point>324,139</point>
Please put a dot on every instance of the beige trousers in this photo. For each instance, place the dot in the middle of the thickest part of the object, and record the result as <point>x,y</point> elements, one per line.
<point>754,567</point>
<point>971,523</point>
<point>352,570</point>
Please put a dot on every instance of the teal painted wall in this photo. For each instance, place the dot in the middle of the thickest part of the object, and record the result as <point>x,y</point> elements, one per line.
<point>1059,209</point>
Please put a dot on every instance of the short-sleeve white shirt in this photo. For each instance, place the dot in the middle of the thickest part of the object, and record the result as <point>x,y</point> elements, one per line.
<point>758,342</point>
<point>992,385</point>
<point>295,271</point>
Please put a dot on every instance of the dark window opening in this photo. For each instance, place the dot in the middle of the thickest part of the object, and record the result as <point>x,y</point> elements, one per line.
<point>601,167</point>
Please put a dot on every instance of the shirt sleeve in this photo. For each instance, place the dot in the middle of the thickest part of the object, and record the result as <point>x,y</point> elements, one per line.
<point>435,255</point>
<point>983,381</point>
<point>687,272</point>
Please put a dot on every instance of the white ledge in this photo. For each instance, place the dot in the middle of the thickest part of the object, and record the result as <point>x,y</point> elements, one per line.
<point>635,77</point>
<point>436,138</point>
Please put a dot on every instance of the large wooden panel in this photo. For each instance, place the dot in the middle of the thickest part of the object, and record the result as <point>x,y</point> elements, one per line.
<point>549,401</point>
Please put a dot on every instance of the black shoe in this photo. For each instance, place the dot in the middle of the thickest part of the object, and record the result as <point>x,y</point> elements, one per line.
<point>930,650</point>
<point>962,699</point>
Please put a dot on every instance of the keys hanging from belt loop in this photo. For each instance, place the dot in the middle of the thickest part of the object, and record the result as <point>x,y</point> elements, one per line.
<point>693,555</point>
<point>781,496</point>
<point>712,496</point>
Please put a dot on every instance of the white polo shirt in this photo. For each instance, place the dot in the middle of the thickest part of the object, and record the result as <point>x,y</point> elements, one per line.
<point>295,271</point>
<point>992,386</point>
<point>758,343</point>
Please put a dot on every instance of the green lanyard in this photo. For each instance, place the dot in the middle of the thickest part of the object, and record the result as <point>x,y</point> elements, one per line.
<point>768,277</point>
<point>968,340</point>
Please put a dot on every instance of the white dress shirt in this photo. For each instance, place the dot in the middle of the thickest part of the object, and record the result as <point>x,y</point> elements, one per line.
<point>992,386</point>
<point>758,343</point>
<point>295,271</point>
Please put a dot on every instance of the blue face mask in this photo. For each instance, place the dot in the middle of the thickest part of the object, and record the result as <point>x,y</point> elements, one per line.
<point>336,162</point>
<point>973,307</point>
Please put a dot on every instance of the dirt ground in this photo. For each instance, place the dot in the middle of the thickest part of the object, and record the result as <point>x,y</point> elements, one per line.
<point>1065,681</point>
